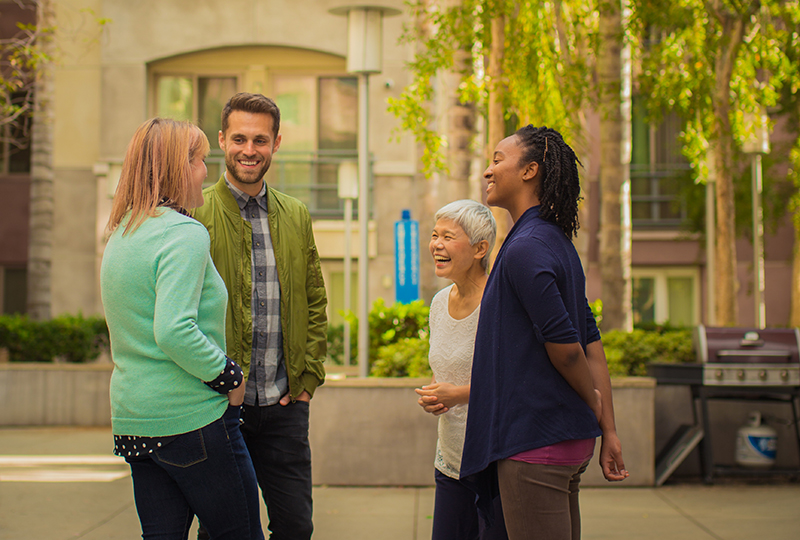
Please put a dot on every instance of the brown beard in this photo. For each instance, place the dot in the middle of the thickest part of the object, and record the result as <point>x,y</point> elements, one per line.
<point>230,165</point>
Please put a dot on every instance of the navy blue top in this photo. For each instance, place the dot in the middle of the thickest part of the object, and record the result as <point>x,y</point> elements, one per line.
<point>536,293</point>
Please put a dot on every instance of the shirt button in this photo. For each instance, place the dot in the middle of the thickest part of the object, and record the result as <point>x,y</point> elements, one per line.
<point>253,215</point>
<point>261,273</point>
<point>262,303</point>
<point>258,244</point>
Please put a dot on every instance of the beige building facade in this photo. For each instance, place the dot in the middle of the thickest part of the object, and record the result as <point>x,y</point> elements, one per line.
<point>121,62</point>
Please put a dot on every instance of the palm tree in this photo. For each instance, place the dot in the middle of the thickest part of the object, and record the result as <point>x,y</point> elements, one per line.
<point>41,213</point>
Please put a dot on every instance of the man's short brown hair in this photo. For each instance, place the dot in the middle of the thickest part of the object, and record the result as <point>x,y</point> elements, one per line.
<point>252,103</point>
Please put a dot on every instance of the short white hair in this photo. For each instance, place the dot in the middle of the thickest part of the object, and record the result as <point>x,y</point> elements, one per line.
<point>475,218</point>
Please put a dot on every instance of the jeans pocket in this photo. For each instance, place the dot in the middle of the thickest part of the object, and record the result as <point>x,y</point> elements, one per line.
<point>186,450</point>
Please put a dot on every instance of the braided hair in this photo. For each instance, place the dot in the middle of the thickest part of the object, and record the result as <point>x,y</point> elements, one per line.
<point>559,188</point>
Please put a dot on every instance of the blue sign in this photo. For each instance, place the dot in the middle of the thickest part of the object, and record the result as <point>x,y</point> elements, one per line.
<point>406,251</point>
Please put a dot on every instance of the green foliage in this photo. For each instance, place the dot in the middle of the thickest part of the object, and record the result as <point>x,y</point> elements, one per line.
<point>336,345</point>
<point>399,343</point>
<point>67,338</point>
<point>389,325</point>
<point>405,358</point>
<point>21,56</point>
<point>548,59</point>
<point>679,44</point>
<point>597,311</point>
<point>628,353</point>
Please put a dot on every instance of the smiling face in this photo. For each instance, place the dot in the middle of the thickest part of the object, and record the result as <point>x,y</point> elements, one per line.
<point>452,253</point>
<point>508,180</point>
<point>248,144</point>
<point>199,173</point>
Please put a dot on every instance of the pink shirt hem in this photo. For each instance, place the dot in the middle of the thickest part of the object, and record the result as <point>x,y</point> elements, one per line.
<point>575,452</point>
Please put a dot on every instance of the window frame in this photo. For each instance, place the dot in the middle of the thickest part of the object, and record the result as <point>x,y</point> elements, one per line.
<point>660,275</point>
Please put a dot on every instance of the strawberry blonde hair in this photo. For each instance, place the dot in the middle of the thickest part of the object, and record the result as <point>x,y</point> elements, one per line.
<point>156,171</point>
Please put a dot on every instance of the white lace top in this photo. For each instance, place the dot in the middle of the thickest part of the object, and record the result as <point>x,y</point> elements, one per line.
<point>452,342</point>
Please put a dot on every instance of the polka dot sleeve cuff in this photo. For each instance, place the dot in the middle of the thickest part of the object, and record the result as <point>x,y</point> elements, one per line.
<point>230,379</point>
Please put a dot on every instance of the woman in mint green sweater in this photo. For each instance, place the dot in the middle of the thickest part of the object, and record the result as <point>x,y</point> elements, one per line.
<point>175,396</point>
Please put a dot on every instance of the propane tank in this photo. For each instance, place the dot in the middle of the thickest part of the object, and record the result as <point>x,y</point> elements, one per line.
<point>756,443</point>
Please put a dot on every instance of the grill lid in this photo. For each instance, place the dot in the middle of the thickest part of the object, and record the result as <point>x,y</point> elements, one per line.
<point>747,345</point>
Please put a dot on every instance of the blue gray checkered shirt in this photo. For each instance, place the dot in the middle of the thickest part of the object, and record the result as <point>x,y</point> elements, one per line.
<point>267,380</point>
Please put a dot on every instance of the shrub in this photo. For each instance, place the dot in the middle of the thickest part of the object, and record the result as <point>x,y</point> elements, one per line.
<point>405,358</point>
<point>388,325</point>
<point>68,338</point>
<point>628,353</point>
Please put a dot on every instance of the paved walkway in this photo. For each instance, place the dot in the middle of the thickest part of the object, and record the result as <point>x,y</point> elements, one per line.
<point>62,483</point>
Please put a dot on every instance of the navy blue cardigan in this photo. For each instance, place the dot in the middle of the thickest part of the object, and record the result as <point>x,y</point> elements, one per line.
<point>518,401</point>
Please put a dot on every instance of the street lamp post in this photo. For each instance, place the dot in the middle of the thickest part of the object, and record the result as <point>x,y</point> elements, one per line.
<point>347,190</point>
<point>364,57</point>
<point>756,145</point>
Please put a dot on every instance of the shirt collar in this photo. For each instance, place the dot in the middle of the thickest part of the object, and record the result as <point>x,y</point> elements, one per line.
<point>242,198</point>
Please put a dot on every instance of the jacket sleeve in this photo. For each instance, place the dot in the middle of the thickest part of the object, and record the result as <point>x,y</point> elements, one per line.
<point>316,338</point>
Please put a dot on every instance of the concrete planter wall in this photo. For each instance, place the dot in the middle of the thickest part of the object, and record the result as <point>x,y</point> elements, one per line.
<point>55,394</point>
<point>363,431</point>
<point>372,432</point>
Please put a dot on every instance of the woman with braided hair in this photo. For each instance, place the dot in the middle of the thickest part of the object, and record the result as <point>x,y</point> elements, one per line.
<point>541,392</point>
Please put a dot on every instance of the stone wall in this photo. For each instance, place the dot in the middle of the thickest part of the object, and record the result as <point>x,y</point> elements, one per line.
<point>363,431</point>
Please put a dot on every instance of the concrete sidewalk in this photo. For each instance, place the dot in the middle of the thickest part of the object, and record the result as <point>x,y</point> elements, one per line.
<point>63,483</point>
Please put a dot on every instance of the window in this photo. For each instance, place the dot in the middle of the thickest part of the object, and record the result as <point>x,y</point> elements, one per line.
<point>666,295</point>
<point>15,138</point>
<point>319,129</point>
<point>198,99</point>
<point>657,167</point>
<point>13,290</point>
<point>319,112</point>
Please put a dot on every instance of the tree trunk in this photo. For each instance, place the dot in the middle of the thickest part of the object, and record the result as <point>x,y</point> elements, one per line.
<point>496,123</point>
<point>794,316</point>
<point>456,122</point>
<point>614,239</point>
<point>580,145</point>
<point>41,209</point>
<point>727,308</point>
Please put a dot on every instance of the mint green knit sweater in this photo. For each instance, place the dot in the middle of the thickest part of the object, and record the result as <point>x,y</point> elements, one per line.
<point>165,307</point>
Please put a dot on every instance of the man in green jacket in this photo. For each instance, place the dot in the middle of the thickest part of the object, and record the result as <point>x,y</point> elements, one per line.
<point>263,247</point>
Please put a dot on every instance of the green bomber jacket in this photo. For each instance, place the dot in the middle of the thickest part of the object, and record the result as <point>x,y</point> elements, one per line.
<point>303,301</point>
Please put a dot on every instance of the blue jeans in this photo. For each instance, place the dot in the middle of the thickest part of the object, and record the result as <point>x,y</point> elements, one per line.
<point>206,472</point>
<point>277,438</point>
<point>455,515</point>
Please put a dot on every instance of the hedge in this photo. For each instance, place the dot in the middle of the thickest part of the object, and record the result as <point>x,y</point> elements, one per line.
<point>66,338</point>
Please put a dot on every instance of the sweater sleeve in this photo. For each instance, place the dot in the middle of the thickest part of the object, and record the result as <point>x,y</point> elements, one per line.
<point>181,264</point>
<point>532,271</point>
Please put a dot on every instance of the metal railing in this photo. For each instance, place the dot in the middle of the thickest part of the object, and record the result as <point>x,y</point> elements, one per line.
<point>309,176</point>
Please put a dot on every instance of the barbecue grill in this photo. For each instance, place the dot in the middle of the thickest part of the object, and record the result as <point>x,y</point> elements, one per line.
<point>732,363</point>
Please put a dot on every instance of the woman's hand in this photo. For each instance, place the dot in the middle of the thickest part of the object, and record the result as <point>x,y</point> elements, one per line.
<point>611,458</point>
<point>438,398</point>
<point>236,397</point>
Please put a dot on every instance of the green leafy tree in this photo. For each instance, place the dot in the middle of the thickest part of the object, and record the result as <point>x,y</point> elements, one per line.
<point>20,58</point>
<point>540,62</point>
<point>26,118</point>
<point>715,62</point>
<point>545,64</point>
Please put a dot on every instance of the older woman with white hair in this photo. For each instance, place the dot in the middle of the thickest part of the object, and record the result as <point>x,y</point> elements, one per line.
<point>461,241</point>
